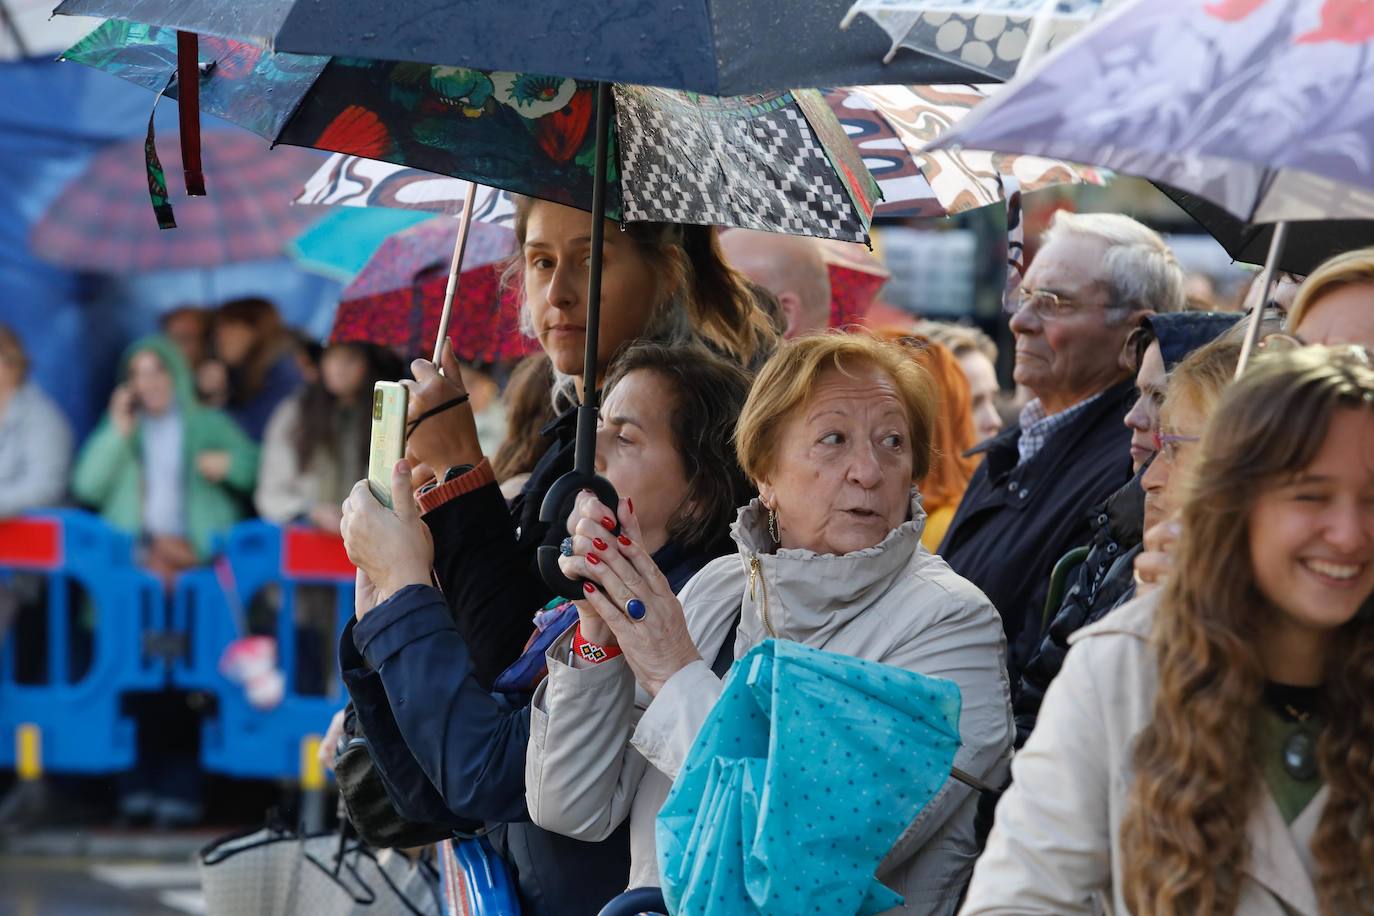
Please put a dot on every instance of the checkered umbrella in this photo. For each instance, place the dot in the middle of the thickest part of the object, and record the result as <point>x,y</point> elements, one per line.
<point>101,221</point>
<point>777,161</point>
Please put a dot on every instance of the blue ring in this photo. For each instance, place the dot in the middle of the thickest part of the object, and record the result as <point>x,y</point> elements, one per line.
<point>565,548</point>
<point>636,609</point>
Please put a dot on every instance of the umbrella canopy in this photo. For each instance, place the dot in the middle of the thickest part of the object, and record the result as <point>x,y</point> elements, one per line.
<point>1263,107</point>
<point>339,245</point>
<point>1308,245</point>
<point>426,246</point>
<point>352,181</point>
<point>994,37</point>
<point>719,47</point>
<point>101,221</point>
<point>776,161</point>
<point>892,127</point>
<point>806,771</point>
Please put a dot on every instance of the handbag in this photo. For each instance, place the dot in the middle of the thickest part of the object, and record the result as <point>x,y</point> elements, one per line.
<point>274,871</point>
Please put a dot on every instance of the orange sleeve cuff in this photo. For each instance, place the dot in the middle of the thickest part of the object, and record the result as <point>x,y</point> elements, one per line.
<point>478,477</point>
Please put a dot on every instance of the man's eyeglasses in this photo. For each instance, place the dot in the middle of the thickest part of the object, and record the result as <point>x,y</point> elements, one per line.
<point>1046,306</point>
<point>1167,445</point>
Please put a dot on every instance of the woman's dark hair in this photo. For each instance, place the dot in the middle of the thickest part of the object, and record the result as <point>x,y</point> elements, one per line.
<point>708,393</point>
<point>529,407</point>
<point>271,341</point>
<point>321,414</point>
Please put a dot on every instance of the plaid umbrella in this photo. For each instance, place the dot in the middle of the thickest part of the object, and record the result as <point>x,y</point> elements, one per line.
<point>776,161</point>
<point>101,221</point>
<point>892,126</point>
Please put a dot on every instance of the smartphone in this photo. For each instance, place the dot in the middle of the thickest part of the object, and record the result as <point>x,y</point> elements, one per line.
<point>389,402</point>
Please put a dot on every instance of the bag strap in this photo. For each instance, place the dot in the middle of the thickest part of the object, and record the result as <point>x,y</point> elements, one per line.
<point>726,656</point>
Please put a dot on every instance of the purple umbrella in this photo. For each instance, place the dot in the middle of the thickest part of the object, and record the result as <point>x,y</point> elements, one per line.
<point>1263,107</point>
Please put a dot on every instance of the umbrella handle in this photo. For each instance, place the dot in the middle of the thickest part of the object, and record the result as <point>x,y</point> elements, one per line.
<point>970,781</point>
<point>455,268</point>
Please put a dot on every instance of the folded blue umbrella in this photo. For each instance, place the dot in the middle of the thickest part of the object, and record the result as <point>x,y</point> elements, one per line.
<point>804,775</point>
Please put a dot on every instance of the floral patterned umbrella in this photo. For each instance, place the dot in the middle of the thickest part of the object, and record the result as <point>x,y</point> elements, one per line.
<point>776,161</point>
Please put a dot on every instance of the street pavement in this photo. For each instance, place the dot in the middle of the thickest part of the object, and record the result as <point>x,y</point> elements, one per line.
<point>54,886</point>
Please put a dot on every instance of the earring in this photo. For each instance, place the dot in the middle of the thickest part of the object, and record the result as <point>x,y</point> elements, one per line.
<point>773,526</point>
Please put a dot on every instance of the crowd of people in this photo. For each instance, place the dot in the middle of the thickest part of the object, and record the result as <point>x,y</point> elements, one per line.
<point>1153,588</point>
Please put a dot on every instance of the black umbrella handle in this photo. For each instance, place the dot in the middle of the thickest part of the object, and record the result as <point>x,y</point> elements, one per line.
<point>559,501</point>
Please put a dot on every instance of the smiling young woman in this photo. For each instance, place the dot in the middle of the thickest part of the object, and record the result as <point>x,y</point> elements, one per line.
<point>1210,748</point>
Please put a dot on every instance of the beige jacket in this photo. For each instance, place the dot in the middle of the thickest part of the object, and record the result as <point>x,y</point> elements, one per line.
<point>1055,847</point>
<point>601,751</point>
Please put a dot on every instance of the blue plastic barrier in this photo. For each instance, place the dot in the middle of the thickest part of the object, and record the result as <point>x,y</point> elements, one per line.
<point>210,608</point>
<point>71,724</point>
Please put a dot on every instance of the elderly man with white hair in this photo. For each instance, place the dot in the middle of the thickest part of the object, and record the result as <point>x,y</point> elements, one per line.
<point>1095,277</point>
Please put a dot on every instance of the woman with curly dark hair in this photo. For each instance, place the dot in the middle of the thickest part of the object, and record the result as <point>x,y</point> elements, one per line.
<point>1210,748</point>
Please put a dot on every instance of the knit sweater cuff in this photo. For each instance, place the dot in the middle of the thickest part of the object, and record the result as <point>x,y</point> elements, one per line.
<point>478,477</point>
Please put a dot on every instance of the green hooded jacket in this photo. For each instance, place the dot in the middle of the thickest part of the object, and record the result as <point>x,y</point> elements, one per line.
<point>109,472</point>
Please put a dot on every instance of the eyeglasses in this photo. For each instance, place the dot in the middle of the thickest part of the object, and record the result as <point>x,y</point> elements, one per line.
<point>1045,305</point>
<point>1167,445</point>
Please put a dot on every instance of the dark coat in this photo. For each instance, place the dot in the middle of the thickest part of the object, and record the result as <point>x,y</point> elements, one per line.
<point>1098,586</point>
<point>485,560</point>
<point>1015,522</point>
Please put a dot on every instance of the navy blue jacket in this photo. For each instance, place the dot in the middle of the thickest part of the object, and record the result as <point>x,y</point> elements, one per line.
<point>1016,521</point>
<point>450,752</point>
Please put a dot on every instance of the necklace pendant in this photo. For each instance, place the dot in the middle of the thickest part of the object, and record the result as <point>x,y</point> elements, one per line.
<point>1300,755</point>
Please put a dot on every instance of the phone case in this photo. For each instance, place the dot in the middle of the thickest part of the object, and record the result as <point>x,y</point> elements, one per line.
<point>389,402</point>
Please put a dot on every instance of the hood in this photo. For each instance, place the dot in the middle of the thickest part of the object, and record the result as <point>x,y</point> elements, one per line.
<point>1180,333</point>
<point>805,596</point>
<point>183,385</point>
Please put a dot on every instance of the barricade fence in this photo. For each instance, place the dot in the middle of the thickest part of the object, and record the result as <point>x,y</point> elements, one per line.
<point>83,628</point>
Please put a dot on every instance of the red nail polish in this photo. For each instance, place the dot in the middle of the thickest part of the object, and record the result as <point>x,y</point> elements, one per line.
<point>631,503</point>
<point>624,540</point>
<point>600,544</point>
<point>593,559</point>
<point>589,588</point>
<point>608,523</point>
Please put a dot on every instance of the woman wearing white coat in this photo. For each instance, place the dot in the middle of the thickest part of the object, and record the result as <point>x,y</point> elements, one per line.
<point>835,430</point>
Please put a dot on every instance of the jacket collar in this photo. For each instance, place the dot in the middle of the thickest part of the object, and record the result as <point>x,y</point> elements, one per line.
<point>1003,454</point>
<point>806,597</point>
<point>1280,858</point>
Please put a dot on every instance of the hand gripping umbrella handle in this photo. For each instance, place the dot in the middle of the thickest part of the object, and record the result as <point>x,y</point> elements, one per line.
<point>558,505</point>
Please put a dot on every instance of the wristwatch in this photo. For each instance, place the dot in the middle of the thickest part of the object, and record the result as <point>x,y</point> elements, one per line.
<point>458,470</point>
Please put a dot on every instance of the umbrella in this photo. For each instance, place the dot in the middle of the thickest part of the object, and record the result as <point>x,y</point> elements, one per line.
<point>720,47</point>
<point>856,277</point>
<point>994,37</point>
<point>1309,242</point>
<point>776,161</point>
<point>1263,107</point>
<point>101,221</point>
<point>893,125</point>
<point>399,297</point>
<point>353,181</point>
<point>339,245</point>
<point>805,772</point>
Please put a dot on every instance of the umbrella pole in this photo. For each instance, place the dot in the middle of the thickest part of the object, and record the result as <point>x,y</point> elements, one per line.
<point>1271,267</point>
<point>464,221</point>
<point>585,457</point>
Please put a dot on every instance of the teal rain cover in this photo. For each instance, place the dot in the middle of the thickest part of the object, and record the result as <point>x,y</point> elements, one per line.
<point>805,774</point>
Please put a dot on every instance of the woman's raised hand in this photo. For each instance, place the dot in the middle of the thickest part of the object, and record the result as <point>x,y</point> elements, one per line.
<point>626,590</point>
<point>445,439</point>
<point>1154,564</point>
<point>391,547</point>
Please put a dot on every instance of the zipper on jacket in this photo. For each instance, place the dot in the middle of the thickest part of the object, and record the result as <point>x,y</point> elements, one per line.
<point>756,576</point>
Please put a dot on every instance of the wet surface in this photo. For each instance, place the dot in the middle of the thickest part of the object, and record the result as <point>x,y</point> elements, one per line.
<point>46,886</point>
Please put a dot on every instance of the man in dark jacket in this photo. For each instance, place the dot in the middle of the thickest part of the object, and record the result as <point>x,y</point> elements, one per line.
<point>1104,581</point>
<point>1095,278</point>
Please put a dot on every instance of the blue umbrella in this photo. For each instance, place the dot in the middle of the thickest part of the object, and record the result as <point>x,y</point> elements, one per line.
<point>341,244</point>
<point>719,47</point>
<point>806,772</point>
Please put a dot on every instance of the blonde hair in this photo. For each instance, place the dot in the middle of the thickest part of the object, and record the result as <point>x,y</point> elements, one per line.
<point>787,381</point>
<point>1201,378</point>
<point>959,338</point>
<point>1348,269</point>
<point>1139,269</point>
<point>12,351</point>
<point>1183,836</point>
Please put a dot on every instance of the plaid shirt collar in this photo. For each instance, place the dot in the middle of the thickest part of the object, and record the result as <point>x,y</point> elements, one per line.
<point>1037,426</point>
